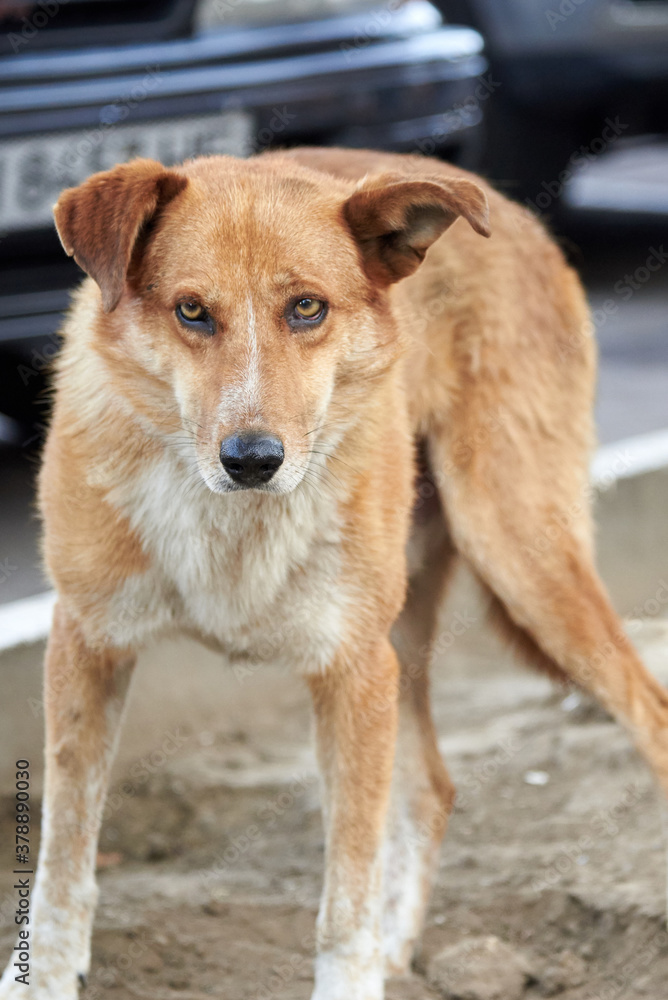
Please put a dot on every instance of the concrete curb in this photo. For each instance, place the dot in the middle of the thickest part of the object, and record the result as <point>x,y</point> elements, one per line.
<point>630,457</point>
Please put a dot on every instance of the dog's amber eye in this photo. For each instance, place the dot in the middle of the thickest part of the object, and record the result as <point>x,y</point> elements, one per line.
<point>192,311</point>
<point>195,316</point>
<point>309,309</point>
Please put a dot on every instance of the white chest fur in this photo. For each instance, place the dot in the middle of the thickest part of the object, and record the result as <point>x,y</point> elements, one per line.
<point>256,574</point>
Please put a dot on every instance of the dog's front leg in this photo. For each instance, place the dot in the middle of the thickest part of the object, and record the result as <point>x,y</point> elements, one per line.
<point>356,721</point>
<point>84,695</point>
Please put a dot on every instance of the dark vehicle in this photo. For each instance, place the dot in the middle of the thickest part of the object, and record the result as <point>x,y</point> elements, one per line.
<point>574,79</point>
<point>85,84</point>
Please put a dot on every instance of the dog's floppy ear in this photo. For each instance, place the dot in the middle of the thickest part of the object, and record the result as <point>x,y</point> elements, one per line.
<point>99,221</point>
<point>395,219</point>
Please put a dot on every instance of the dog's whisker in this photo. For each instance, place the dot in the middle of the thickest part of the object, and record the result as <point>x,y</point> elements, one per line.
<point>323,472</point>
<point>334,457</point>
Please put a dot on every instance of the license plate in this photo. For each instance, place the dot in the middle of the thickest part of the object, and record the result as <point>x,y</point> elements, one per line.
<point>34,171</point>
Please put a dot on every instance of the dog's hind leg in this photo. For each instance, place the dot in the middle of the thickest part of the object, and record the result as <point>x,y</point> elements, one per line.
<point>84,695</point>
<point>422,793</point>
<point>519,513</point>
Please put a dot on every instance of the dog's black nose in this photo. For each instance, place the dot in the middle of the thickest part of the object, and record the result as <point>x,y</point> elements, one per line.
<point>251,459</point>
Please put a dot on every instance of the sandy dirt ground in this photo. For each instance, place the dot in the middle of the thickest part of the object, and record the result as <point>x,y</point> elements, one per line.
<point>552,880</point>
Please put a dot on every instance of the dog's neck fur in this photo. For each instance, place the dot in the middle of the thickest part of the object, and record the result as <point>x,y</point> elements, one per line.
<point>220,565</point>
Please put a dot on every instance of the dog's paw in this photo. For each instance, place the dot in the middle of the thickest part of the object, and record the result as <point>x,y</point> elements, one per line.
<point>40,987</point>
<point>344,978</point>
<point>11,990</point>
<point>54,982</point>
<point>58,952</point>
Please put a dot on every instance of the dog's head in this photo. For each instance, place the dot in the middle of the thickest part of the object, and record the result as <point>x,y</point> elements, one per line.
<point>245,302</point>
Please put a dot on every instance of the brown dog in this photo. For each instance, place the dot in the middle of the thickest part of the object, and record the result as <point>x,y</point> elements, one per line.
<point>244,379</point>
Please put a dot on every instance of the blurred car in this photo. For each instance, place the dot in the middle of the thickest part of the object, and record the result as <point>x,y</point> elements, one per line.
<point>85,84</point>
<point>571,78</point>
